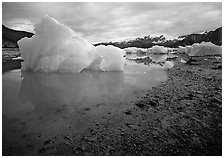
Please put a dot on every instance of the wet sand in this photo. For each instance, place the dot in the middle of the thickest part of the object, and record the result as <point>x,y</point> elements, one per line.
<point>181,116</point>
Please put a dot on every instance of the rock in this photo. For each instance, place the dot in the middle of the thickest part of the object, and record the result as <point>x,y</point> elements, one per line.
<point>78,151</point>
<point>97,124</point>
<point>196,92</point>
<point>128,112</point>
<point>91,139</point>
<point>109,150</point>
<point>190,96</point>
<point>47,142</point>
<point>216,100</point>
<point>152,103</point>
<point>87,109</point>
<point>218,88</point>
<point>140,104</point>
<point>68,138</point>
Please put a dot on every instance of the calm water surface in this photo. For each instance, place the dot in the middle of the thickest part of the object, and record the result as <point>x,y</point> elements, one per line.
<point>37,106</point>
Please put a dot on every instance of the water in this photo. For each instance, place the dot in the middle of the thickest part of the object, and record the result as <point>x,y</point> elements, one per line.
<point>40,105</point>
<point>158,58</point>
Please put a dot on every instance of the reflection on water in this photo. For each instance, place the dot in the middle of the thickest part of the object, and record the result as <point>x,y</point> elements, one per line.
<point>158,57</point>
<point>155,57</point>
<point>135,56</point>
<point>47,92</point>
<point>41,91</point>
<point>48,103</point>
<point>156,61</point>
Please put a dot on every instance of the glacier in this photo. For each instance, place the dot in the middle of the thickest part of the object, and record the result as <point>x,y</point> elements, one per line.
<point>57,48</point>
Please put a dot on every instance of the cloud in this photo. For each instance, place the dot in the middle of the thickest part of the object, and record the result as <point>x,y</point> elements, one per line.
<point>99,22</point>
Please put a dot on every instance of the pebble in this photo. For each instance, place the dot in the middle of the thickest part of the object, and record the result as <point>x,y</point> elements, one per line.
<point>97,124</point>
<point>128,112</point>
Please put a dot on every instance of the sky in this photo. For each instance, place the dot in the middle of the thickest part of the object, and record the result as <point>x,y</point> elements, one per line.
<point>110,21</point>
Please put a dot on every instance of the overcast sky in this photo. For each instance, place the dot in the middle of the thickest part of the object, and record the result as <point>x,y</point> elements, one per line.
<point>101,22</point>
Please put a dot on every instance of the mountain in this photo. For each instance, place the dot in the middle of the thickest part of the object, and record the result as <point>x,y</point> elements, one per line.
<point>10,37</point>
<point>147,41</point>
<point>212,36</point>
<point>141,42</point>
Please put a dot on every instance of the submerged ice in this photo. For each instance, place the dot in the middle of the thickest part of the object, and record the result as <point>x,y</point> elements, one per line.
<point>57,48</point>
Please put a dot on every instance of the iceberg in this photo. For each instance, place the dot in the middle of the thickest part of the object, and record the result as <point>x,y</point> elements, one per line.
<point>135,50</point>
<point>131,50</point>
<point>188,49</point>
<point>158,50</point>
<point>181,49</point>
<point>185,50</point>
<point>57,48</point>
<point>158,57</point>
<point>205,48</point>
<point>168,65</point>
<point>108,58</point>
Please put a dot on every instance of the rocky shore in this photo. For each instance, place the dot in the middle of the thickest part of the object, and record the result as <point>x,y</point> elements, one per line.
<point>182,116</point>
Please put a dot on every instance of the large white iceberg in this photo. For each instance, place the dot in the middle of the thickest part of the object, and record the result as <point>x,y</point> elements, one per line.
<point>57,48</point>
<point>205,48</point>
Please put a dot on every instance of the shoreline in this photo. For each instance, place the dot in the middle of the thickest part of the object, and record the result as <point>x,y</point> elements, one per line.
<point>181,116</point>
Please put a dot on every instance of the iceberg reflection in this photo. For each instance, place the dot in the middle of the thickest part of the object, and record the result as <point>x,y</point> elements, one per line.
<point>61,94</point>
<point>49,91</point>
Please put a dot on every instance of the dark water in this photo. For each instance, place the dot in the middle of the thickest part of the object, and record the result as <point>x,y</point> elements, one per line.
<point>37,106</point>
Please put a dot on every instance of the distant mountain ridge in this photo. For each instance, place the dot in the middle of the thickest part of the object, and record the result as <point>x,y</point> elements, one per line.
<point>209,36</point>
<point>10,37</point>
<point>147,41</point>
